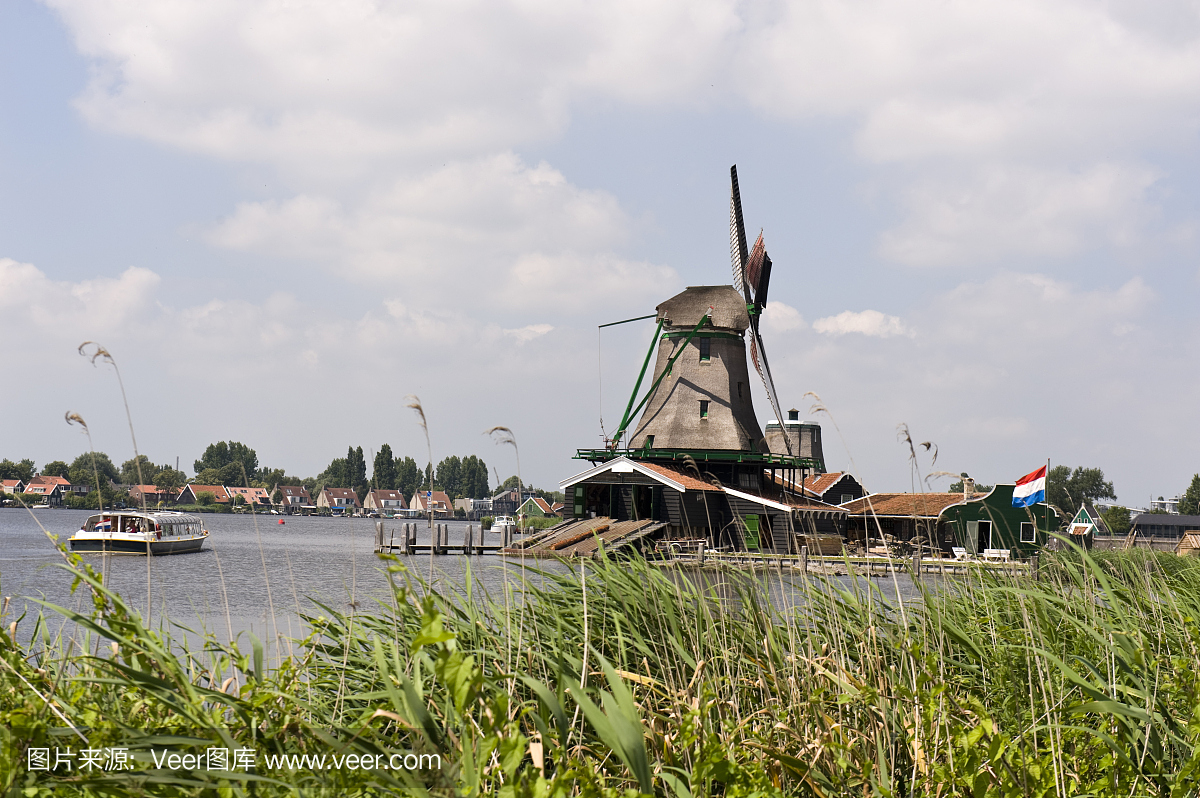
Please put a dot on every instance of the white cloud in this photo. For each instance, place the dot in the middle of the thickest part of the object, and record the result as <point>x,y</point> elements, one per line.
<point>529,332</point>
<point>508,230</point>
<point>1037,115</point>
<point>1001,211</point>
<point>62,309</point>
<point>780,318</point>
<point>870,323</point>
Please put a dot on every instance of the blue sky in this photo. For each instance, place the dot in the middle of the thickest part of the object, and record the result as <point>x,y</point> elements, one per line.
<point>283,218</point>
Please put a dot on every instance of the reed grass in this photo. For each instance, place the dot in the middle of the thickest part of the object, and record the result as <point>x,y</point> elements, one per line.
<point>624,678</point>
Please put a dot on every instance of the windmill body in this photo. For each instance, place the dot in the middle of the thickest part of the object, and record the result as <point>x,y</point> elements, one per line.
<point>703,402</point>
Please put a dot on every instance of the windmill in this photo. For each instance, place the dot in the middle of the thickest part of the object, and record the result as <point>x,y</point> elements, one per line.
<point>752,276</point>
<point>689,453</point>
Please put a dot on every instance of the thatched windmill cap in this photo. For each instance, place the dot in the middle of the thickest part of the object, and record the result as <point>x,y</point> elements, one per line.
<point>686,309</point>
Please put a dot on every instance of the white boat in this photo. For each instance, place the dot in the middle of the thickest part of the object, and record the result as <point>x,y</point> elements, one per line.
<point>502,522</point>
<point>136,532</point>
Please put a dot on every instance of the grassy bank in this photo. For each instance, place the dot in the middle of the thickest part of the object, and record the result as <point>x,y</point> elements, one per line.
<point>625,680</point>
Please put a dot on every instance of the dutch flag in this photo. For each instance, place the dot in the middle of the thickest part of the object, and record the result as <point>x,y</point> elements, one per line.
<point>1030,489</point>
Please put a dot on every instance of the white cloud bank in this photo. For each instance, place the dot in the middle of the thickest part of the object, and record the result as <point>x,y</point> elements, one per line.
<point>870,323</point>
<point>1009,126</point>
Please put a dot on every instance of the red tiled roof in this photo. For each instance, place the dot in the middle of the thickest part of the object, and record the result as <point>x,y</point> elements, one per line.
<point>682,477</point>
<point>819,483</point>
<point>218,491</point>
<point>541,503</point>
<point>41,480</point>
<point>906,505</point>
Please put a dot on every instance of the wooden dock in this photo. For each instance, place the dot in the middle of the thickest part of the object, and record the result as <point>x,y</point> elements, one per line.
<point>405,542</point>
<point>915,567</point>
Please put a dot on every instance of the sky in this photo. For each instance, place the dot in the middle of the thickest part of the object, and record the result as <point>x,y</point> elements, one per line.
<point>283,218</point>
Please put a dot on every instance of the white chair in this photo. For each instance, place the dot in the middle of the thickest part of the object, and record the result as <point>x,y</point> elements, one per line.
<point>959,554</point>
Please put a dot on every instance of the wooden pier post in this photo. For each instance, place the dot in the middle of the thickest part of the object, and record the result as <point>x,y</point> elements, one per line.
<point>702,552</point>
<point>378,536</point>
<point>467,540</point>
<point>804,559</point>
<point>916,564</point>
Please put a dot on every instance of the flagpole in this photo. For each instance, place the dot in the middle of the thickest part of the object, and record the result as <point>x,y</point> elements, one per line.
<point>1046,500</point>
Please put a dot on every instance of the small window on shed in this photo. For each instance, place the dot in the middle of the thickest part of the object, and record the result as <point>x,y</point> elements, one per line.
<point>1028,535</point>
<point>703,408</point>
<point>705,345</point>
<point>846,497</point>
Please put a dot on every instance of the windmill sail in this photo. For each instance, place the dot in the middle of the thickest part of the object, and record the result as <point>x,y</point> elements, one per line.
<point>752,276</point>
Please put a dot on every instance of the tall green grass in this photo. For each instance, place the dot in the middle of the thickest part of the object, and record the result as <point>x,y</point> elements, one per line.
<point>624,678</point>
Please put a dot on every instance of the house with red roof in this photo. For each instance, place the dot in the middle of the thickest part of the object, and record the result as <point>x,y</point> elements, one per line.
<point>151,494</point>
<point>293,498</point>
<point>190,494</point>
<point>12,486</point>
<point>52,489</point>
<point>385,501</point>
<point>338,500</point>
<point>439,502</point>
<point>257,497</point>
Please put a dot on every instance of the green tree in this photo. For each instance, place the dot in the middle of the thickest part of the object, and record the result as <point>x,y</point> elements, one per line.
<point>473,478</point>
<point>448,474</point>
<point>408,476</point>
<point>167,478</point>
<point>277,497</point>
<point>22,470</point>
<point>383,472</point>
<point>222,454</point>
<point>1068,490</point>
<point>356,471</point>
<point>205,497</point>
<point>1117,519</point>
<point>129,471</point>
<point>336,475</point>
<point>81,472</point>
<point>512,483</point>
<point>55,468</point>
<point>1189,502</point>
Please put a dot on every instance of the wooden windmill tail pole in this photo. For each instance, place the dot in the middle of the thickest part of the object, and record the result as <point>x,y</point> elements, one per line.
<point>629,414</point>
<point>637,385</point>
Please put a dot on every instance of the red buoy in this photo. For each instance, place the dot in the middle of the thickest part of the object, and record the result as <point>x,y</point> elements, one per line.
<point>281,520</point>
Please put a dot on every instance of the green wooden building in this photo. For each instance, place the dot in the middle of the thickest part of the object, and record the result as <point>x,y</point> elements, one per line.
<point>989,521</point>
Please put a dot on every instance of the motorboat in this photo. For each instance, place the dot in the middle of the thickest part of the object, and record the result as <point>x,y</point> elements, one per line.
<point>504,522</point>
<point>136,532</point>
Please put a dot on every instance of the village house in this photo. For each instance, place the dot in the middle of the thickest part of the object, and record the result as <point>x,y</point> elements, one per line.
<point>1149,528</point>
<point>294,498</point>
<point>12,486</point>
<point>338,500</point>
<point>191,493</point>
<point>385,501</point>
<point>1087,525</point>
<point>474,509</point>
<point>51,489</point>
<point>989,521</point>
<point>833,487</point>
<point>259,497</point>
<point>438,501</point>
<point>911,518</point>
<point>536,507</point>
<point>151,494</point>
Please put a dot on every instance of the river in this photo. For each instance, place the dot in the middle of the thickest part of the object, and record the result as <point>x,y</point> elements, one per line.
<point>254,574</point>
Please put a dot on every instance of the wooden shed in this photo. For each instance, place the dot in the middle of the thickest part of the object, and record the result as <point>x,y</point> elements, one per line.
<point>1189,544</point>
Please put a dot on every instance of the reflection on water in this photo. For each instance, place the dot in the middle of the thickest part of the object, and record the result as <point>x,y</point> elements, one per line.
<point>258,575</point>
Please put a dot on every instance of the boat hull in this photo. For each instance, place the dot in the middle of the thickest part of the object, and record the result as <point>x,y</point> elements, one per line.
<point>157,547</point>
